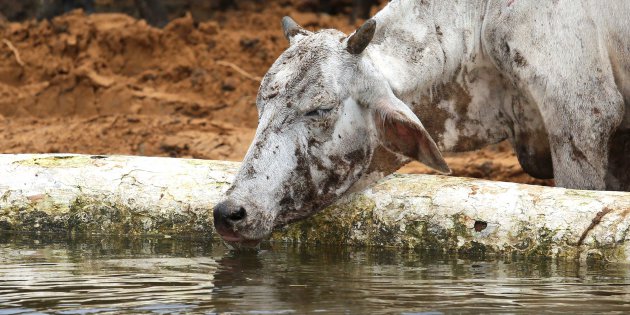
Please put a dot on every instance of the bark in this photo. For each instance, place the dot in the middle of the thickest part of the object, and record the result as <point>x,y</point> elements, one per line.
<point>146,195</point>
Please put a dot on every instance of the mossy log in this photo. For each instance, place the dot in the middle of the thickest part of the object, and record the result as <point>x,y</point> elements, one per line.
<point>146,195</point>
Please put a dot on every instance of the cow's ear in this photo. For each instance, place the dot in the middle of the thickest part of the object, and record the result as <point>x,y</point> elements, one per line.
<point>293,31</point>
<point>400,131</point>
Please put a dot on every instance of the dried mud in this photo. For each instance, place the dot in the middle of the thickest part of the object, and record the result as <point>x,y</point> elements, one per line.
<point>111,84</point>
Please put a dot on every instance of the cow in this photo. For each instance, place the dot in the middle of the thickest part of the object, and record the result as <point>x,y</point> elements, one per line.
<point>336,112</point>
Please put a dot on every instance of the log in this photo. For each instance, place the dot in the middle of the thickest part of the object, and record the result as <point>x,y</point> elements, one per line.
<point>132,195</point>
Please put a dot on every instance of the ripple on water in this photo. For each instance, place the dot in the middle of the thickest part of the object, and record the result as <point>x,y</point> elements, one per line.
<point>43,275</point>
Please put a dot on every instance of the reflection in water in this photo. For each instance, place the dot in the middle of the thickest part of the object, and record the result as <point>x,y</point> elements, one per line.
<point>165,276</point>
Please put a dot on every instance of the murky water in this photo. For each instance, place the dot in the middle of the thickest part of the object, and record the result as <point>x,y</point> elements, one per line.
<point>42,275</point>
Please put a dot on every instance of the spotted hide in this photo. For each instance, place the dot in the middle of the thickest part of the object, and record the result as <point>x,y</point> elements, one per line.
<point>338,112</point>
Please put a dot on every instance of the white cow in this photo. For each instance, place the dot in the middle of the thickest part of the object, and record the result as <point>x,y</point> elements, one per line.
<point>338,112</point>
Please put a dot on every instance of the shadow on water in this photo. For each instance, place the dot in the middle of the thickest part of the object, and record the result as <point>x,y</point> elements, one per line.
<point>105,275</point>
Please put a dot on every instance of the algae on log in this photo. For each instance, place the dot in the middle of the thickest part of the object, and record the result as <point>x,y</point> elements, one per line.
<point>147,195</point>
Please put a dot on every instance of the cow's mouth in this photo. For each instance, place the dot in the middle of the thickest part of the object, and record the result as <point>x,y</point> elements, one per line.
<point>235,239</point>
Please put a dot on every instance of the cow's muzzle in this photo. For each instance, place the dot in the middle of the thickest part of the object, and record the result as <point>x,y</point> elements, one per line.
<point>227,216</point>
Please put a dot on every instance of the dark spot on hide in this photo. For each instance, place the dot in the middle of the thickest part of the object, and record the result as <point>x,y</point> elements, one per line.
<point>455,93</point>
<point>286,202</point>
<point>250,171</point>
<point>383,160</point>
<point>259,146</point>
<point>312,142</point>
<point>519,60</point>
<point>319,164</point>
<point>336,160</point>
<point>270,96</point>
<point>433,117</point>
<point>355,156</point>
<point>294,31</point>
<point>299,187</point>
<point>468,143</point>
<point>577,153</point>
<point>332,182</point>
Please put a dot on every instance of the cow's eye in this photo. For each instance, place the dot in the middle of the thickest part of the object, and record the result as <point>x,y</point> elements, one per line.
<point>318,112</point>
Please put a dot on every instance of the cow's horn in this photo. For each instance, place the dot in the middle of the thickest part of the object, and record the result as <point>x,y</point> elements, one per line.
<point>291,28</point>
<point>362,37</point>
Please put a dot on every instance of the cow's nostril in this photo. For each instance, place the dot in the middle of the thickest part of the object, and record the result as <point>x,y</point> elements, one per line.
<point>238,215</point>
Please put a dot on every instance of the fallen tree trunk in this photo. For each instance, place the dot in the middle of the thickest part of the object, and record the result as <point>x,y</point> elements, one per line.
<point>145,195</point>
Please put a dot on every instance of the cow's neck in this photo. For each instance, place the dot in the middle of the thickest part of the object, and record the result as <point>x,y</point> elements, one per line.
<point>431,53</point>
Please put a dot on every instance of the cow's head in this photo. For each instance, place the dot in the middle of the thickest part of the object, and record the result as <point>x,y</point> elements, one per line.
<point>326,115</point>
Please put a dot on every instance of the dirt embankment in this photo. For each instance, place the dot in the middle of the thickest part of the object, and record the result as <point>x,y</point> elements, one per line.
<point>111,84</point>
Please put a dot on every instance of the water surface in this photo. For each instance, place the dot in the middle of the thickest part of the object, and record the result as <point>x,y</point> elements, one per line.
<point>46,275</point>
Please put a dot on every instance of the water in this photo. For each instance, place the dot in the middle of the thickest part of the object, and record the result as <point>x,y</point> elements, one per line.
<point>43,275</point>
